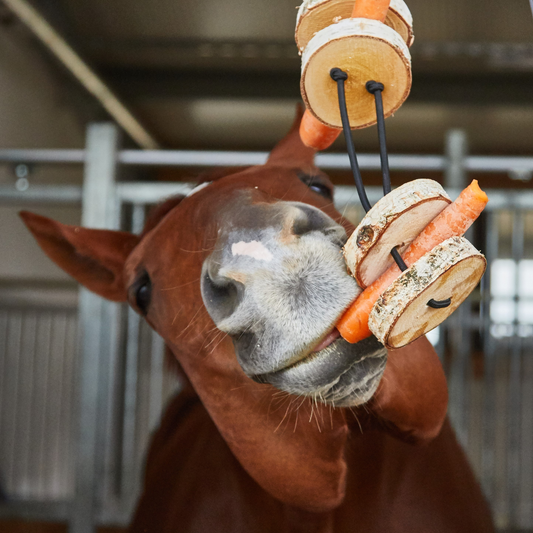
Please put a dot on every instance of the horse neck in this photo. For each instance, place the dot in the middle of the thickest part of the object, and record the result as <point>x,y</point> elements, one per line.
<point>275,437</point>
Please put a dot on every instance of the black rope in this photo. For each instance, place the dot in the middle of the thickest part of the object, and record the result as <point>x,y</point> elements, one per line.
<point>340,77</point>
<point>376,89</point>
<point>439,304</point>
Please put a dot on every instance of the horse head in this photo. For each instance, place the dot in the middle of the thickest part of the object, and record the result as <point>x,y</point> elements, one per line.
<point>244,279</point>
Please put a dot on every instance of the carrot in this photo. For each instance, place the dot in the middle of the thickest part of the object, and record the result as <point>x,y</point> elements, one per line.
<point>371,9</point>
<point>315,134</point>
<point>312,132</point>
<point>453,221</point>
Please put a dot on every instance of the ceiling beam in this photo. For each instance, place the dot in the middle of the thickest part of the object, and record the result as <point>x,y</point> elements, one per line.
<point>495,88</point>
<point>82,72</point>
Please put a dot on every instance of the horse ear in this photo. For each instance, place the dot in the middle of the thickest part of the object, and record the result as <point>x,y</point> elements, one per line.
<point>291,151</point>
<point>93,257</point>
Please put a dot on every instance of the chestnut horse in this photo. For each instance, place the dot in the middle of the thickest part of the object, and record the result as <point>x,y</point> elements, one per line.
<point>282,426</point>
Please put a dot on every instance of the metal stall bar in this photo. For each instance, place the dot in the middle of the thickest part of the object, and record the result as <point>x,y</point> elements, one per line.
<point>44,156</point>
<point>206,158</point>
<point>458,328</point>
<point>515,381</point>
<point>39,194</point>
<point>489,374</point>
<point>98,327</point>
<point>153,192</point>
<point>456,148</point>
<point>129,470</point>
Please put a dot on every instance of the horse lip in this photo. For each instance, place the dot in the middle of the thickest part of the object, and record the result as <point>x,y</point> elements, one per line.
<point>329,338</point>
<point>321,370</point>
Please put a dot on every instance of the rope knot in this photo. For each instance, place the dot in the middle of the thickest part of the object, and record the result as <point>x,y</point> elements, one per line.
<point>374,86</point>
<point>338,75</point>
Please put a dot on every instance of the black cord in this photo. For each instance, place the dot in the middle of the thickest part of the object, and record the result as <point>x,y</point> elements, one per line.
<point>374,88</point>
<point>340,77</point>
<point>439,304</point>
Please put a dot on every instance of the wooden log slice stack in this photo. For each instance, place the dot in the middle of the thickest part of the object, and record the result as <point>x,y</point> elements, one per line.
<point>315,15</point>
<point>401,314</point>
<point>395,221</point>
<point>366,50</point>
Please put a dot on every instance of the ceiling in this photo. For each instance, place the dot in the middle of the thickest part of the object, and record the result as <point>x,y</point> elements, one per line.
<point>211,74</point>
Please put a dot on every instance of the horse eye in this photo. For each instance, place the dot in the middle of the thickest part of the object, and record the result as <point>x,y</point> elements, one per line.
<point>143,293</point>
<point>316,185</point>
<point>321,189</point>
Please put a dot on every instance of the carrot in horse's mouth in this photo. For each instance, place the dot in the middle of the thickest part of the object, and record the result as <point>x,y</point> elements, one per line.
<point>454,220</point>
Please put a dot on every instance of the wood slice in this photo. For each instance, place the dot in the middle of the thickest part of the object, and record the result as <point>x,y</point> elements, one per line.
<point>401,314</point>
<point>396,220</point>
<point>399,18</point>
<point>366,50</point>
<point>315,15</point>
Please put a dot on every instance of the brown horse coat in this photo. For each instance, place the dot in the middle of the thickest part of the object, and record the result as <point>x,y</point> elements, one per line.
<point>236,455</point>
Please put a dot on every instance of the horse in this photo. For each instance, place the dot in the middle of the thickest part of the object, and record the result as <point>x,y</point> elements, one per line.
<point>281,424</point>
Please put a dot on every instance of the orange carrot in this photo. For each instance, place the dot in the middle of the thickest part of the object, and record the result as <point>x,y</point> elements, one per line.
<point>312,132</point>
<point>453,221</point>
<point>371,9</point>
<point>315,134</point>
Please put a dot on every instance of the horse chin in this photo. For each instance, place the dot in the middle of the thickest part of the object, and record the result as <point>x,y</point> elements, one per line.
<point>342,374</point>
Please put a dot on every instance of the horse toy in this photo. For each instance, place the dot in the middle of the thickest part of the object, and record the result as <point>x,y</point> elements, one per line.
<point>356,71</point>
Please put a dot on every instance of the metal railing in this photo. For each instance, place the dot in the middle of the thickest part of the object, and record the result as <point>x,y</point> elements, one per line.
<point>120,383</point>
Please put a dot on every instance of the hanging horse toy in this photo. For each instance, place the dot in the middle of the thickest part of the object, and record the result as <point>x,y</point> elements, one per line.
<point>408,253</point>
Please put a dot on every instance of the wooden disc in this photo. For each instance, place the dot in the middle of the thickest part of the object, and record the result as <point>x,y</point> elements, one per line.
<point>401,314</point>
<point>315,15</point>
<point>396,220</point>
<point>366,50</point>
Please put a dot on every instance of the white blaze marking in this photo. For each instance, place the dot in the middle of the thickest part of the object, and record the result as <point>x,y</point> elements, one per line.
<point>253,249</point>
<point>198,188</point>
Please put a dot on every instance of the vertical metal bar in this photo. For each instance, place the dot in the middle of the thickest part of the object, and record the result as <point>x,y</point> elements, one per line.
<point>458,377</point>
<point>26,391</point>
<point>137,218</point>
<point>456,151</point>
<point>109,409</point>
<point>10,396</point>
<point>440,346</point>
<point>514,387</point>
<point>44,398</point>
<point>3,383</point>
<point>489,368</point>
<point>467,412</point>
<point>97,212</point>
<point>128,484</point>
<point>69,427</point>
<point>525,519</point>
<point>130,408</point>
<point>58,356</point>
<point>38,402</point>
<point>459,328</point>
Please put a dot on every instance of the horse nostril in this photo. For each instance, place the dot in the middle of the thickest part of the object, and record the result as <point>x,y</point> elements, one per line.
<point>221,295</point>
<point>309,219</point>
